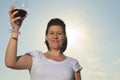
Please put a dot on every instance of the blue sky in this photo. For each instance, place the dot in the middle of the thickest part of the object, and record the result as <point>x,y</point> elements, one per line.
<point>92,28</point>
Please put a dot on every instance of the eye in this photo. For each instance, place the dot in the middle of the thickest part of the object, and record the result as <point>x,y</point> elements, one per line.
<point>51,33</point>
<point>59,33</point>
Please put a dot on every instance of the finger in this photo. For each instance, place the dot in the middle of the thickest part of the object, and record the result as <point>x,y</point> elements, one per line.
<point>13,14</point>
<point>15,19</point>
<point>16,22</point>
<point>11,9</point>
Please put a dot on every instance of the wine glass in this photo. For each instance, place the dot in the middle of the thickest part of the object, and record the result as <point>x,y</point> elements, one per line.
<point>22,7</point>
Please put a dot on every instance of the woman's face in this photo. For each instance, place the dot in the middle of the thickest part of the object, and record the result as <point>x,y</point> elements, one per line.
<point>55,37</point>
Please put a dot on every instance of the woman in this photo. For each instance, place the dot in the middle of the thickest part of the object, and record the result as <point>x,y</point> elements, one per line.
<point>51,65</point>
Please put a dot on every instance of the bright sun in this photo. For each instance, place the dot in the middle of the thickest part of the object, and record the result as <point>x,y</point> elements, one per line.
<point>74,35</point>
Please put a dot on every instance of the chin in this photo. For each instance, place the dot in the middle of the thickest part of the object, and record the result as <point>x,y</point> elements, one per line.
<point>57,48</point>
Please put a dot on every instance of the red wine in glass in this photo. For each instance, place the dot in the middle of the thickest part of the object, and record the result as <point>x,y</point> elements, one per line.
<point>21,6</point>
<point>21,13</point>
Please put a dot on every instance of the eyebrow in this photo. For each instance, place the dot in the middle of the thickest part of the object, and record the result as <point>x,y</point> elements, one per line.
<point>57,31</point>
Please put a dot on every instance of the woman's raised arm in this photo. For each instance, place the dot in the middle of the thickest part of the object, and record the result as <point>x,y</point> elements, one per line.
<point>11,58</point>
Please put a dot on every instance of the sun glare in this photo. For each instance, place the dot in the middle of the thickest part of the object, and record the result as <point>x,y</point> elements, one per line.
<point>73,34</point>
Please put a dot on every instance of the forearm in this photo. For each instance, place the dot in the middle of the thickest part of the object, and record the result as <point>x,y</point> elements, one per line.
<point>11,52</point>
<point>78,75</point>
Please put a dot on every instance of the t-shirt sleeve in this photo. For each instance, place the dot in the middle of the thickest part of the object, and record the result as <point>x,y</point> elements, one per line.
<point>34,53</point>
<point>76,65</point>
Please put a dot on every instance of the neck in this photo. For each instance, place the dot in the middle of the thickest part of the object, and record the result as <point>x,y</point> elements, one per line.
<point>54,52</point>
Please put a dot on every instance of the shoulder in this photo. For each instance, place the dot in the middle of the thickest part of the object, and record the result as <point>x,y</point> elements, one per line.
<point>35,53</point>
<point>72,60</point>
<point>75,63</point>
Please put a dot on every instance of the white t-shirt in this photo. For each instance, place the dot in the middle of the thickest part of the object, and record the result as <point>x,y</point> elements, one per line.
<point>48,69</point>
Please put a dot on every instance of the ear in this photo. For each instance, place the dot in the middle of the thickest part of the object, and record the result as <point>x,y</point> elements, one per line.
<point>46,38</point>
<point>64,38</point>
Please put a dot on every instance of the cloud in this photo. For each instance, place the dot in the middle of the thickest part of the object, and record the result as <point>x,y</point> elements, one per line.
<point>102,74</point>
<point>117,62</point>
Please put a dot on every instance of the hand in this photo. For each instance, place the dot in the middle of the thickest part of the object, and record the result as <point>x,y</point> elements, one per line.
<point>16,22</point>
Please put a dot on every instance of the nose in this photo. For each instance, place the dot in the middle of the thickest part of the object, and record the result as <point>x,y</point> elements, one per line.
<point>56,36</point>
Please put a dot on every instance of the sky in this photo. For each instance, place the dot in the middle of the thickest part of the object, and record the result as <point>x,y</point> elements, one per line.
<point>92,30</point>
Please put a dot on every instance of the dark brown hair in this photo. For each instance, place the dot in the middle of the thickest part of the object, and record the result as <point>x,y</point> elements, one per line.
<point>59,22</point>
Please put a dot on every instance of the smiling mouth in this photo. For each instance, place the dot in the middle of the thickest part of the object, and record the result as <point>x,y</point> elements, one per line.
<point>55,41</point>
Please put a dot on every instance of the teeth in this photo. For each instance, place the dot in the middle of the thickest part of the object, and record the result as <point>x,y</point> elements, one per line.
<point>55,41</point>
